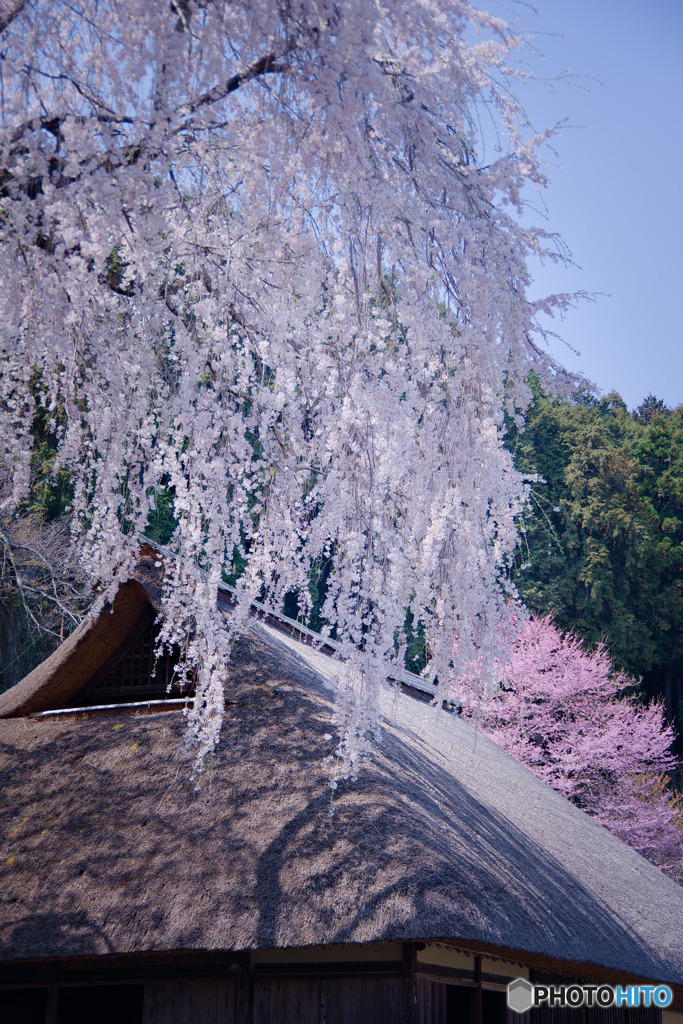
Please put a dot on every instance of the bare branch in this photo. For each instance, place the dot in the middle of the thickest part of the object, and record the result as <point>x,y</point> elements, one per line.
<point>270,64</point>
<point>8,16</point>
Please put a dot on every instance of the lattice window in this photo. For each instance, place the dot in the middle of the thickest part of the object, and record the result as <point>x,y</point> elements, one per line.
<point>137,675</point>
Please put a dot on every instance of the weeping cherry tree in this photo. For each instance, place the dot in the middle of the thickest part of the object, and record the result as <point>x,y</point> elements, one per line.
<point>256,256</point>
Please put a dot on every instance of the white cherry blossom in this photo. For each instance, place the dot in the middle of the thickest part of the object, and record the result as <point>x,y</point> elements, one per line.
<point>252,252</point>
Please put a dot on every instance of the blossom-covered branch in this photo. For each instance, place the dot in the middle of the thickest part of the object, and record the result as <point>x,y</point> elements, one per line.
<point>256,260</point>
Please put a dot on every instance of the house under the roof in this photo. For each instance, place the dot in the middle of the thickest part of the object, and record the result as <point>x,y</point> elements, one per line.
<point>445,871</point>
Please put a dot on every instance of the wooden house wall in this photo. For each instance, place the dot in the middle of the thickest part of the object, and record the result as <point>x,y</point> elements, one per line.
<point>432,1002</point>
<point>290,1000</point>
<point>385,983</point>
<point>328,1001</point>
<point>353,1000</point>
<point>321,1000</point>
<point>192,1001</point>
<point>282,1000</point>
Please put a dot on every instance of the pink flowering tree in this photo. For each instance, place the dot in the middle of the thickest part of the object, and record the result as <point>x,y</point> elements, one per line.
<point>562,712</point>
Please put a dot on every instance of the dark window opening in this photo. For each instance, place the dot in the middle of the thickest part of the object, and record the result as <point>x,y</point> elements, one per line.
<point>101,1004</point>
<point>463,1006</point>
<point>23,1006</point>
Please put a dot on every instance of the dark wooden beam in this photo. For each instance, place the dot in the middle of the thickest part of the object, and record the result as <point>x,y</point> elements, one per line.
<point>410,1015</point>
<point>478,1002</point>
<point>342,968</point>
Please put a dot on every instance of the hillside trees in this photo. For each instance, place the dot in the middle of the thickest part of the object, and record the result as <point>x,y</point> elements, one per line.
<point>659,450</point>
<point>258,260</point>
<point>602,542</point>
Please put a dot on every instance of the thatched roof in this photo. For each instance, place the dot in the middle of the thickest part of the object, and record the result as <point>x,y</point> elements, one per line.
<point>107,847</point>
<point>95,641</point>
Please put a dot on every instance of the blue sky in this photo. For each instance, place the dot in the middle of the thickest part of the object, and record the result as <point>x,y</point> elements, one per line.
<point>616,195</point>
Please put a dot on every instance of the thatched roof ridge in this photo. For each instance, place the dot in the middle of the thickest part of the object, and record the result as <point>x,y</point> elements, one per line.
<point>108,848</point>
<point>54,682</point>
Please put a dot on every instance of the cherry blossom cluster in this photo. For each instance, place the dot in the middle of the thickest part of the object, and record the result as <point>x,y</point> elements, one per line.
<point>255,256</point>
<point>562,711</point>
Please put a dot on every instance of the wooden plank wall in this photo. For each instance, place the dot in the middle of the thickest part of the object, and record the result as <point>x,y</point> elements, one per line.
<point>310,999</point>
<point>282,1000</point>
<point>431,1002</point>
<point>328,1001</point>
<point>190,1001</point>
